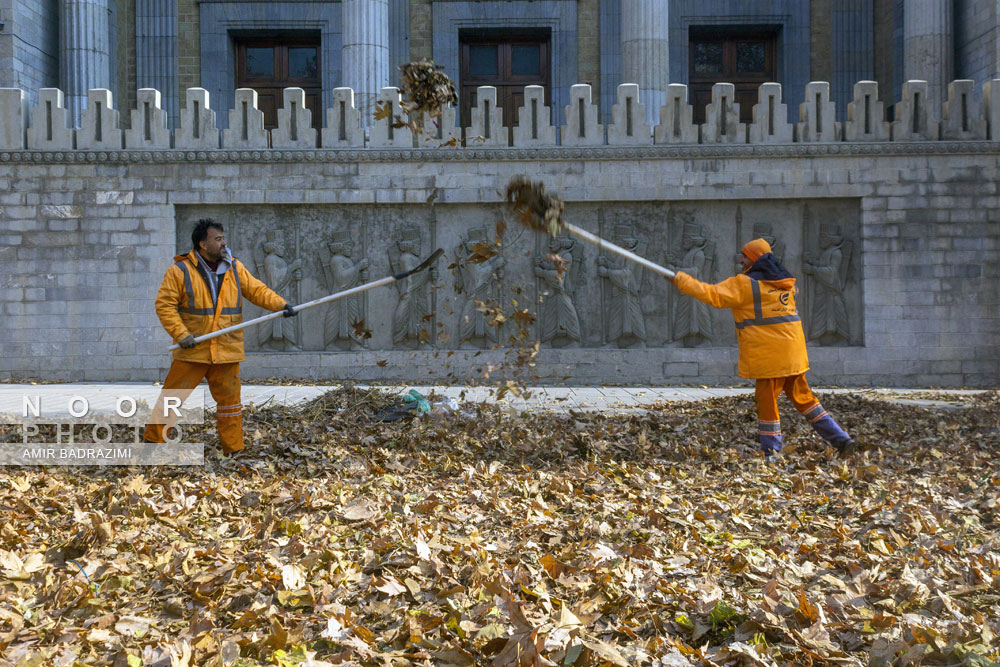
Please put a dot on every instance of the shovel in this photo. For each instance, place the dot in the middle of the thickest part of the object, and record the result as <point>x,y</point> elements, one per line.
<point>388,280</point>
<point>542,212</point>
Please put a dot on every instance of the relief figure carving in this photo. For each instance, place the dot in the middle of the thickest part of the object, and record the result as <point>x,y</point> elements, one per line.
<point>341,272</point>
<point>692,319</point>
<point>624,319</point>
<point>559,324</point>
<point>282,276</point>
<point>828,320</point>
<point>477,282</point>
<point>764,230</point>
<point>410,324</point>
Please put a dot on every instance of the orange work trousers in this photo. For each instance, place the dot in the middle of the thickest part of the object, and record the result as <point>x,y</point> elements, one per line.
<point>768,422</point>
<point>223,382</point>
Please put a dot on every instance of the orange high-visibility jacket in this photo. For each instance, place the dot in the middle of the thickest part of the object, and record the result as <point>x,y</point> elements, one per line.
<point>184,306</point>
<point>768,327</point>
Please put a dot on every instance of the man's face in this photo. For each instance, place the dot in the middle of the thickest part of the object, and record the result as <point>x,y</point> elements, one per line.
<point>745,262</point>
<point>827,240</point>
<point>214,245</point>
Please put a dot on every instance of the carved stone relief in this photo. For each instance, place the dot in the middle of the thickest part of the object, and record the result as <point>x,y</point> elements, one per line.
<point>625,322</point>
<point>413,311</point>
<point>599,301</point>
<point>282,272</point>
<point>478,283</point>
<point>828,268</point>
<point>557,270</point>
<point>341,271</point>
<point>692,319</point>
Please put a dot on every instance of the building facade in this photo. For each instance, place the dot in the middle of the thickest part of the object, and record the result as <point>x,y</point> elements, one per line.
<point>220,45</point>
<point>860,137</point>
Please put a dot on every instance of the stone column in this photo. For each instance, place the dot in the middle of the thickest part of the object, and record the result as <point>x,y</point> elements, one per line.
<point>645,51</point>
<point>928,47</point>
<point>156,51</point>
<point>84,50</point>
<point>365,52</point>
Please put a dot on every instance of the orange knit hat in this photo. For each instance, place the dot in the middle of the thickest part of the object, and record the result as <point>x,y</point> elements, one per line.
<point>755,249</point>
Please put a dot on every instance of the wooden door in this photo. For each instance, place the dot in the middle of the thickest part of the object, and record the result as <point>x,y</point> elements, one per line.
<point>746,59</point>
<point>507,62</point>
<point>269,65</point>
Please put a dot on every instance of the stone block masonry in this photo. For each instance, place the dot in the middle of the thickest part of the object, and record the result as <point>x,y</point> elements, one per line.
<point>896,246</point>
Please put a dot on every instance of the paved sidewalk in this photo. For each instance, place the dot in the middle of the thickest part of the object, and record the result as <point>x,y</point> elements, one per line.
<point>103,397</point>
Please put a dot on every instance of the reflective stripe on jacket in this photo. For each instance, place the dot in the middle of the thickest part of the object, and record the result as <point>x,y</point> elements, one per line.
<point>184,305</point>
<point>768,328</point>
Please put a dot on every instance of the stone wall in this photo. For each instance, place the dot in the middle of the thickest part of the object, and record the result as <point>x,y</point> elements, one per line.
<point>29,44</point>
<point>896,245</point>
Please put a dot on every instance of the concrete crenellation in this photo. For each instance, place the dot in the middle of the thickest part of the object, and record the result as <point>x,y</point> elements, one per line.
<point>389,114</point>
<point>628,126</point>
<point>47,126</point>
<point>246,122</point>
<point>295,128</point>
<point>722,118</point>
<point>916,120</point>
<point>770,124</point>
<point>536,128</point>
<point>961,115</point>
<point>149,122</point>
<point>676,124</point>
<point>866,115</point>
<point>343,122</point>
<point>198,129</point>
<point>486,127</point>
<point>581,128</point>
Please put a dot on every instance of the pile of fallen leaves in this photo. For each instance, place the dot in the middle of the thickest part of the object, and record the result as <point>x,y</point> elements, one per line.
<point>491,538</point>
<point>533,206</point>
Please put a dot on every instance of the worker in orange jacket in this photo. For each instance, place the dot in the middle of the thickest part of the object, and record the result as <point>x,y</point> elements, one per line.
<point>202,292</point>
<point>771,343</point>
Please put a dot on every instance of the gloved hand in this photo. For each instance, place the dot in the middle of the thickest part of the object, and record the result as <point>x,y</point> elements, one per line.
<point>187,342</point>
<point>289,310</point>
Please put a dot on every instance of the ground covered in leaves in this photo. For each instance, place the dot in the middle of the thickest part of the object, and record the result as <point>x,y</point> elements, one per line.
<point>493,538</point>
